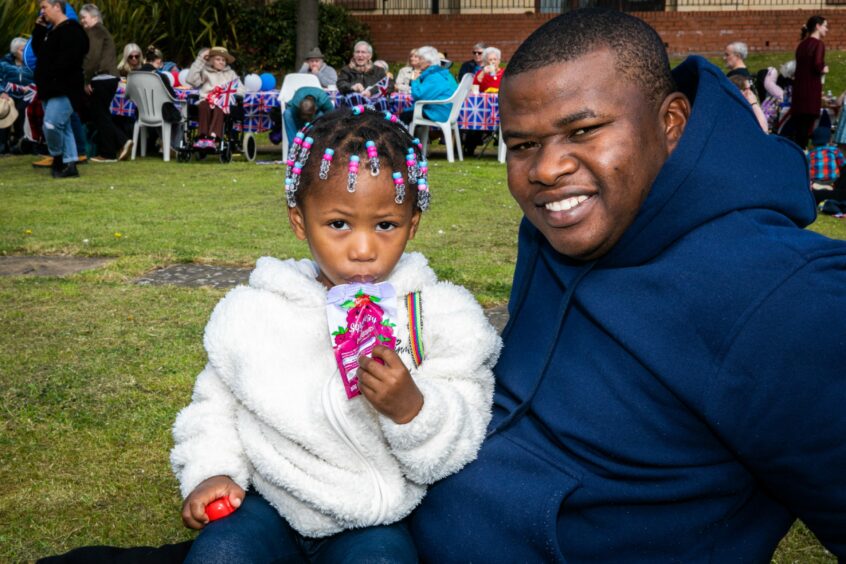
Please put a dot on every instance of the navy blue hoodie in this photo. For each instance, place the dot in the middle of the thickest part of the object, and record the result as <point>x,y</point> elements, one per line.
<point>680,398</point>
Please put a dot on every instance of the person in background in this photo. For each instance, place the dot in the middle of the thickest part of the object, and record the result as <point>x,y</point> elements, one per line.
<point>360,74</point>
<point>475,64</point>
<point>13,71</point>
<point>434,83</point>
<point>807,84</point>
<point>314,64</point>
<point>489,77</point>
<point>60,44</point>
<point>210,71</point>
<point>735,59</point>
<point>101,82</point>
<point>131,60</point>
<point>408,73</point>
<point>825,161</point>
<point>307,104</point>
<point>744,84</point>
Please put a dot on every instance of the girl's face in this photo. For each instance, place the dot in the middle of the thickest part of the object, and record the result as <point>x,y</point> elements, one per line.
<point>822,28</point>
<point>218,62</point>
<point>354,236</point>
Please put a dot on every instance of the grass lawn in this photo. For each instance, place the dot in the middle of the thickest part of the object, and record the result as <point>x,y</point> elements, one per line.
<point>93,367</point>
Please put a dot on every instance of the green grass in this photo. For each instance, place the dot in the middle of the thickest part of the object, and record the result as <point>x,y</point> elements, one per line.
<point>93,368</point>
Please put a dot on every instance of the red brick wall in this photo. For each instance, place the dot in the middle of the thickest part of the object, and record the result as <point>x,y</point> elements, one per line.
<point>683,32</point>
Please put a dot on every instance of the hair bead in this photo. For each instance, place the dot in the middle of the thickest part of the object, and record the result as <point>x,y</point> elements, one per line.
<point>411,163</point>
<point>399,185</point>
<point>373,155</point>
<point>358,110</point>
<point>325,163</point>
<point>352,176</point>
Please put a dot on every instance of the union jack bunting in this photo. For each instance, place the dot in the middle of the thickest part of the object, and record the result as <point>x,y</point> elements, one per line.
<point>381,87</point>
<point>356,99</point>
<point>122,106</point>
<point>256,123</point>
<point>223,96</point>
<point>479,112</point>
<point>25,93</point>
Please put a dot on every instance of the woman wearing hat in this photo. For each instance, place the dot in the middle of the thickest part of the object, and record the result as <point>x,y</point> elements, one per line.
<point>314,64</point>
<point>211,70</point>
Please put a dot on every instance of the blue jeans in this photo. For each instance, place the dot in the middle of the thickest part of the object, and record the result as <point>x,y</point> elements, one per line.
<point>292,124</point>
<point>256,532</point>
<point>57,129</point>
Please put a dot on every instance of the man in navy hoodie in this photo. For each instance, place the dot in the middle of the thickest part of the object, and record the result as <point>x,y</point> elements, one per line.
<point>673,380</point>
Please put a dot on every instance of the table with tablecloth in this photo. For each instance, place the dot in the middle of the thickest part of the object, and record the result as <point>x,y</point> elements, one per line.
<point>479,111</point>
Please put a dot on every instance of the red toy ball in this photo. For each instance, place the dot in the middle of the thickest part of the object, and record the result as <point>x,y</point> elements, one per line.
<point>219,508</point>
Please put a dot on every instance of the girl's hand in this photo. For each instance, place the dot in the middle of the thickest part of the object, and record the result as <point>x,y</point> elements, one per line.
<point>194,507</point>
<point>389,387</point>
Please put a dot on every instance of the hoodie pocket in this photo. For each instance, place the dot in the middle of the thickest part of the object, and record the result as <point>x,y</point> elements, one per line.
<point>501,508</point>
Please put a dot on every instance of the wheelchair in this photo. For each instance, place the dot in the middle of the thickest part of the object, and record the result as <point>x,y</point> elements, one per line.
<point>234,139</point>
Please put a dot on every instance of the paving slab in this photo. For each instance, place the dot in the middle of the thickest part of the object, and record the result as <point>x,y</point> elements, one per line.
<point>48,266</point>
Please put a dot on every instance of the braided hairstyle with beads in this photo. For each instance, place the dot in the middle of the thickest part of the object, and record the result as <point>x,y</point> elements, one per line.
<point>344,140</point>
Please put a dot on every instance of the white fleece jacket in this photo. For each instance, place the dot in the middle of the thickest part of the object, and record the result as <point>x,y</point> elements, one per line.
<point>269,410</point>
<point>202,75</point>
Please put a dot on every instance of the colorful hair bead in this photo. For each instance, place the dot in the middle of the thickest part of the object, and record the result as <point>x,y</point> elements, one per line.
<point>290,191</point>
<point>422,194</point>
<point>423,169</point>
<point>295,176</point>
<point>353,173</point>
<point>296,144</point>
<point>417,142</point>
<point>358,110</point>
<point>325,163</point>
<point>307,143</point>
<point>373,155</point>
<point>399,184</point>
<point>411,163</point>
<point>391,117</point>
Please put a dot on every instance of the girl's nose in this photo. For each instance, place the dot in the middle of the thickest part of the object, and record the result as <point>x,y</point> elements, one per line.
<point>363,247</point>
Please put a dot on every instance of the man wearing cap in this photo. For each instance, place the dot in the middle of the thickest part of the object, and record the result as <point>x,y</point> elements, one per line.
<point>314,64</point>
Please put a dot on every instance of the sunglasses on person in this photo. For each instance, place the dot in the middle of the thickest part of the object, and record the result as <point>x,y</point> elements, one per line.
<point>477,52</point>
<point>134,56</point>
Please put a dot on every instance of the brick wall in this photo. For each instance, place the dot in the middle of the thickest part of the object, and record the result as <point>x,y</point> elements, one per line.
<point>683,32</point>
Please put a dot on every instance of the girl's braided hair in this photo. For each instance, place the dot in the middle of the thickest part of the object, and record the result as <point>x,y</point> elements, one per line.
<point>343,140</point>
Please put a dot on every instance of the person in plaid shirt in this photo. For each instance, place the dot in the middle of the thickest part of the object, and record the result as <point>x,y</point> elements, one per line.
<point>825,160</point>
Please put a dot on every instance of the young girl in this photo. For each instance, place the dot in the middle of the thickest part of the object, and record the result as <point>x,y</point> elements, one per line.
<point>333,455</point>
<point>211,73</point>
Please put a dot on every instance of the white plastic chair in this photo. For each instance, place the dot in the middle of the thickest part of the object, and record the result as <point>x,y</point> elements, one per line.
<point>449,127</point>
<point>290,84</point>
<point>502,148</point>
<point>148,92</point>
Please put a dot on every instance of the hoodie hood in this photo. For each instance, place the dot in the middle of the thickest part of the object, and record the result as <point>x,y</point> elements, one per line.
<point>723,163</point>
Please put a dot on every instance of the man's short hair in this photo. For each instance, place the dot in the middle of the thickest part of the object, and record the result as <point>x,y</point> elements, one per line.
<point>308,106</point>
<point>61,3</point>
<point>92,10</point>
<point>739,48</point>
<point>638,50</point>
<point>364,43</point>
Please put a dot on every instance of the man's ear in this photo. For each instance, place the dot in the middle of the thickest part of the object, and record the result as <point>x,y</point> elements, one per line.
<point>675,111</point>
<point>415,222</point>
<point>297,221</point>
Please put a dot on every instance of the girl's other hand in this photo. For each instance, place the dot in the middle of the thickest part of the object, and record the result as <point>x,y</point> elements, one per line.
<point>194,507</point>
<point>389,387</point>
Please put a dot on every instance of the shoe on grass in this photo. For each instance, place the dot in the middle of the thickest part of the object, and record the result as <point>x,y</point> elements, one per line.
<point>46,162</point>
<point>81,159</point>
<point>68,171</point>
<point>99,159</point>
<point>126,151</point>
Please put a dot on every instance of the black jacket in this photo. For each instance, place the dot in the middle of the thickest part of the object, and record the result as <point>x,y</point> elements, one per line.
<point>60,51</point>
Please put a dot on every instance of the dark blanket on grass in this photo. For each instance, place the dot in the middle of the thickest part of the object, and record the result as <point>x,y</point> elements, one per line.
<point>166,554</point>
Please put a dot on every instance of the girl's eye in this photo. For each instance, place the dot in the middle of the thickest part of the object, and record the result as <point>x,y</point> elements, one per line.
<point>339,225</point>
<point>385,226</point>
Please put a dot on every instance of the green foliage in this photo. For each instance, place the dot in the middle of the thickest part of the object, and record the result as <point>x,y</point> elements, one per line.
<point>267,35</point>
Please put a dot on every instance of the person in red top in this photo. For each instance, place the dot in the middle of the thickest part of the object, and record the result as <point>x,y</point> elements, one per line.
<point>489,77</point>
<point>807,84</point>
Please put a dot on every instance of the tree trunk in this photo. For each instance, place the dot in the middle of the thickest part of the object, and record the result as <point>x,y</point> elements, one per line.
<point>307,29</point>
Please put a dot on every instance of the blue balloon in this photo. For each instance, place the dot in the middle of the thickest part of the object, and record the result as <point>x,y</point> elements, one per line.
<point>29,55</point>
<point>268,81</point>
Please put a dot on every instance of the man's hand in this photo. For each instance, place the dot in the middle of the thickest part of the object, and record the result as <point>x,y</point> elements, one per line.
<point>357,87</point>
<point>194,508</point>
<point>89,90</point>
<point>389,387</point>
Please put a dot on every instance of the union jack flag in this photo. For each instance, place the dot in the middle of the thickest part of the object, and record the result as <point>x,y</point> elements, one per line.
<point>122,106</point>
<point>224,96</point>
<point>381,87</point>
<point>26,93</point>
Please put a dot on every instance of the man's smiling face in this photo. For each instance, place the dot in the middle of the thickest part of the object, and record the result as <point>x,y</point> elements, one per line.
<point>584,150</point>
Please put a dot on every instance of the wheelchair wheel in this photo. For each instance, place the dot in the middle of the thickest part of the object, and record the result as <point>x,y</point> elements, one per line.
<point>226,153</point>
<point>183,155</point>
<point>201,155</point>
<point>249,147</point>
